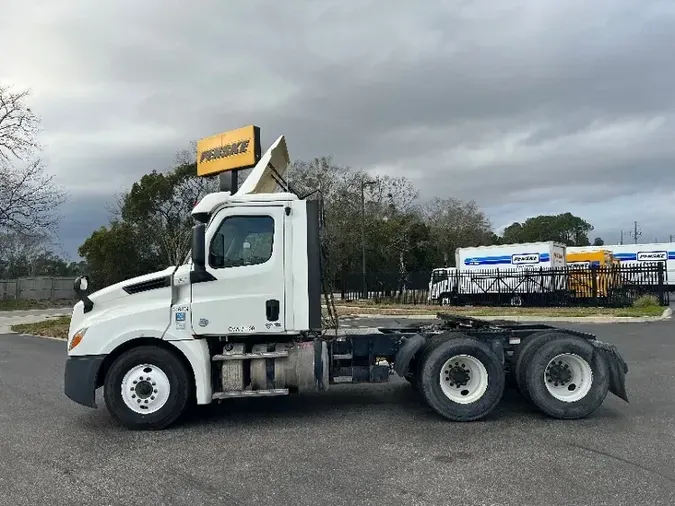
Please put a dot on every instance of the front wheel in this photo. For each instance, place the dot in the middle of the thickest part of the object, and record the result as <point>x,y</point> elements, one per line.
<point>462,379</point>
<point>147,388</point>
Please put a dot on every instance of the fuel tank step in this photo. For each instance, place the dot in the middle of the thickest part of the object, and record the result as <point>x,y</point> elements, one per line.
<point>250,393</point>
<point>249,356</point>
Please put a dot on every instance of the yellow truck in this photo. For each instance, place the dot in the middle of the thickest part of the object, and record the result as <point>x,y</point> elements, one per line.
<point>592,273</point>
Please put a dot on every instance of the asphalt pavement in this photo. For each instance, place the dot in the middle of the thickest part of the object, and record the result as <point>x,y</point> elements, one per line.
<point>353,445</point>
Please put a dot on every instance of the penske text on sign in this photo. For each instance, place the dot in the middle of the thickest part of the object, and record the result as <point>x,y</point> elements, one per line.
<point>236,149</point>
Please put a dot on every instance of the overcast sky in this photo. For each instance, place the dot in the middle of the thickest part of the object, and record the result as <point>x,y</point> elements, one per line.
<point>529,107</point>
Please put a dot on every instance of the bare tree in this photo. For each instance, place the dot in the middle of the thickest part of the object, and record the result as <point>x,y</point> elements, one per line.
<point>455,223</point>
<point>20,253</point>
<point>28,196</point>
<point>18,124</point>
<point>28,199</point>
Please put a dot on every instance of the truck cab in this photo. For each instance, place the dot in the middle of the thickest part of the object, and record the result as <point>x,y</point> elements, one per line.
<point>253,274</point>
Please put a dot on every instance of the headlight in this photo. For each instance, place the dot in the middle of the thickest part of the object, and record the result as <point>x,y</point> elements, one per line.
<point>77,338</point>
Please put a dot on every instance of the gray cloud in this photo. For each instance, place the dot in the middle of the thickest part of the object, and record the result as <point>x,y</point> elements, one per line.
<point>525,106</point>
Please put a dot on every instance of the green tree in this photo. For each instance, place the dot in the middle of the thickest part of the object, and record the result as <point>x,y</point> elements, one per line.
<point>160,206</point>
<point>598,241</point>
<point>564,228</point>
<point>117,252</point>
<point>151,224</point>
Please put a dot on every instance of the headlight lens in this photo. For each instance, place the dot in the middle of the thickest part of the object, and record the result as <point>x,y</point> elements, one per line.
<point>77,338</point>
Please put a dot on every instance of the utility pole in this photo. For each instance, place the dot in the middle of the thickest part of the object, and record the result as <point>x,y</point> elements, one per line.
<point>671,237</point>
<point>636,233</point>
<point>363,236</point>
<point>621,240</point>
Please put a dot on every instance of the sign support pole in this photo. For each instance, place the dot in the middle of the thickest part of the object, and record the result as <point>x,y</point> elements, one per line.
<point>232,185</point>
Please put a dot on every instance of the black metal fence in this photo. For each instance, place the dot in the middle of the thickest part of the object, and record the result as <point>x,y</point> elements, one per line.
<point>413,288</point>
<point>599,286</point>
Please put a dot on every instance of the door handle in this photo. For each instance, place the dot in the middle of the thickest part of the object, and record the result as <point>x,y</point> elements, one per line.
<point>272,310</point>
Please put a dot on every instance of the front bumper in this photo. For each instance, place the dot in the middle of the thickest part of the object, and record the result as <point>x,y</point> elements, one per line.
<point>80,379</point>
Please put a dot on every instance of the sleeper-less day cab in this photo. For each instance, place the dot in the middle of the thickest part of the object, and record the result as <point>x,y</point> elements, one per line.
<point>242,317</point>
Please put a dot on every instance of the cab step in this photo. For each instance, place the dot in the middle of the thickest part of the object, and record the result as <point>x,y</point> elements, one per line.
<point>249,393</point>
<point>249,356</point>
<point>344,356</point>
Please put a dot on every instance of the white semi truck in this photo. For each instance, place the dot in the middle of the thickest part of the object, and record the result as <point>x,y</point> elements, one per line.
<point>242,317</point>
<point>501,273</point>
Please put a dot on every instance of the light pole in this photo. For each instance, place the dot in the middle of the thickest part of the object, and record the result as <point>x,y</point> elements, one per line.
<point>363,236</point>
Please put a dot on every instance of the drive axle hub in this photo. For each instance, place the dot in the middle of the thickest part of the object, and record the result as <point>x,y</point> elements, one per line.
<point>458,375</point>
<point>558,373</point>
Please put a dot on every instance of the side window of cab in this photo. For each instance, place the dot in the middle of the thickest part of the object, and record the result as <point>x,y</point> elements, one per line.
<point>242,241</point>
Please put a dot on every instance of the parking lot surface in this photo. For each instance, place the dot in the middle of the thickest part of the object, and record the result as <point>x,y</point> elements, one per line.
<point>353,445</point>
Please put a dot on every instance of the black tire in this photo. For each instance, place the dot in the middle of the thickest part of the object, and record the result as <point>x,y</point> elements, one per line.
<point>415,367</point>
<point>523,356</point>
<point>180,388</point>
<point>536,384</point>
<point>430,384</point>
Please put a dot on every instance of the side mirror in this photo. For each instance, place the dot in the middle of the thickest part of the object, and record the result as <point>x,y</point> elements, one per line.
<point>81,284</point>
<point>199,246</point>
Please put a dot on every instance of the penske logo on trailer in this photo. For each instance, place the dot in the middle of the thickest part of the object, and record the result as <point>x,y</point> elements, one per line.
<point>507,259</point>
<point>528,258</point>
<point>651,256</point>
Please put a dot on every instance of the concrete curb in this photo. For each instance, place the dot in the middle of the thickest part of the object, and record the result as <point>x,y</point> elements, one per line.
<point>62,339</point>
<point>667,314</point>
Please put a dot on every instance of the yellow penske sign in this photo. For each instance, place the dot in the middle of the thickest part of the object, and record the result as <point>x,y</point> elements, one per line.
<point>233,150</point>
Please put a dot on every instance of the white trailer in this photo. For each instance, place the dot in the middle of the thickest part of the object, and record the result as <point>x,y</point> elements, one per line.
<point>241,317</point>
<point>640,255</point>
<point>530,255</point>
<point>499,273</point>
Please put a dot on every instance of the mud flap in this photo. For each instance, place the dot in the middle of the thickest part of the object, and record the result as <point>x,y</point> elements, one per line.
<point>406,353</point>
<point>617,367</point>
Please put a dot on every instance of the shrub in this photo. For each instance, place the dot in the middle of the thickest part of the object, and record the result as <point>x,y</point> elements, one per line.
<point>646,301</point>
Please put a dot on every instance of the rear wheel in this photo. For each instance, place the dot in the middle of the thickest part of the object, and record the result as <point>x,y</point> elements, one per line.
<point>147,388</point>
<point>566,378</point>
<point>524,352</point>
<point>461,378</point>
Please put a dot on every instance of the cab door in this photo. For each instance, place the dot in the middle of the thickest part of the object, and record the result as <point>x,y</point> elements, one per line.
<point>245,257</point>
